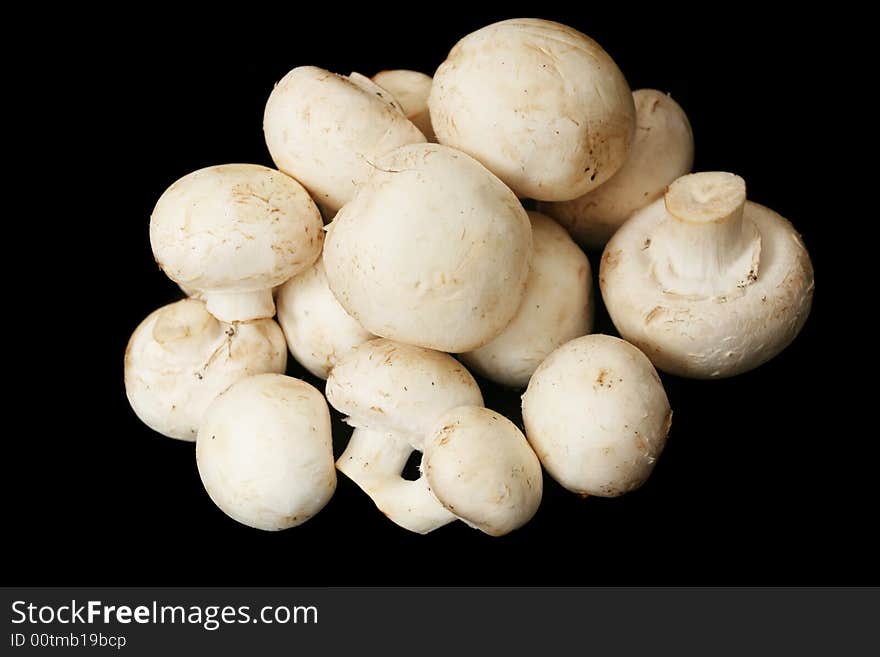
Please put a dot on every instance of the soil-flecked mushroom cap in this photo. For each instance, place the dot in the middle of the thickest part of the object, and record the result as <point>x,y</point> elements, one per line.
<point>540,104</point>
<point>433,250</point>
<point>597,416</point>
<point>707,284</point>
<point>481,468</point>
<point>327,130</point>
<point>411,90</point>
<point>180,358</point>
<point>265,453</point>
<point>557,307</point>
<point>663,150</point>
<point>233,232</point>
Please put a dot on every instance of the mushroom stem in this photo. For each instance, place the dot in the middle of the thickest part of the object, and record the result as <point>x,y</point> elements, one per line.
<point>240,306</point>
<point>705,246</point>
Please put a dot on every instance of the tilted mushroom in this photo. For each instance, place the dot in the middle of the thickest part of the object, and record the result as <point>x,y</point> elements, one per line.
<point>327,131</point>
<point>411,90</point>
<point>433,250</point>
<point>233,232</point>
<point>392,394</point>
<point>317,328</point>
<point>480,467</point>
<point>662,151</point>
<point>557,307</point>
<point>265,452</point>
<point>180,358</point>
<point>707,284</point>
<point>597,416</point>
<point>541,105</point>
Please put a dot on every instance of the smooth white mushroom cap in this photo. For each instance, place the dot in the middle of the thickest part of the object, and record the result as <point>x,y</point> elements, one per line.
<point>480,467</point>
<point>317,328</point>
<point>597,416</point>
<point>707,284</point>
<point>180,358</point>
<point>538,103</point>
<point>232,232</point>
<point>327,130</point>
<point>265,452</point>
<point>663,150</point>
<point>557,307</point>
<point>388,386</point>
<point>433,250</point>
<point>411,89</point>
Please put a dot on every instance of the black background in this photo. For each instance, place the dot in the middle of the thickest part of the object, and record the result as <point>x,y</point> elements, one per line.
<point>757,485</point>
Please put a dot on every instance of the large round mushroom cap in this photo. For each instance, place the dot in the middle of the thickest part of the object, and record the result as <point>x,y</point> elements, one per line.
<point>265,453</point>
<point>433,250</point>
<point>540,104</point>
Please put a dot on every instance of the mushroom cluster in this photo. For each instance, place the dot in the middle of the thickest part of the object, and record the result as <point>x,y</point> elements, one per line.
<point>456,209</point>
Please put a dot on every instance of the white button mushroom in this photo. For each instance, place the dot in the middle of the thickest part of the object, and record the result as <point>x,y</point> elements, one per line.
<point>662,151</point>
<point>180,358</point>
<point>707,284</point>
<point>317,328</point>
<point>557,307</point>
<point>480,467</point>
<point>265,452</point>
<point>597,416</point>
<point>433,250</point>
<point>392,394</point>
<point>327,130</point>
<point>411,90</point>
<point>233,232</point>
<point>540,104</point>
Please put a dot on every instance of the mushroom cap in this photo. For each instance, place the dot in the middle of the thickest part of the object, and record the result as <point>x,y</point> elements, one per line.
<point>235,228</point>
<point>714,335</point>
<point>388,386</point>
<point>662,150</point>
<point>325,130</point>
<point>540,104</point>
<point>597,416</point>
<point>265,453</point>
<point>557,307</point>
<point>480,467</point>
<point>180,358</point>
<point>411,89</point>
<point>317,328</point>
<point>433,250</point>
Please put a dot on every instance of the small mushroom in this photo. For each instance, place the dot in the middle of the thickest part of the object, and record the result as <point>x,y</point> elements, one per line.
<point>541,105</point>
<point>265,452</point>
<point>597,416</point>
<point>480,467</point>
<point>392,394</point>
<point>411,89</point>
<point>327,131</point>
<point>433,250</point>
<point>180,358</point>
<point>707,284</point>
<point>557,307</point>
<point>233,232</point>
<point>318,330</point>
<point>662,151</point>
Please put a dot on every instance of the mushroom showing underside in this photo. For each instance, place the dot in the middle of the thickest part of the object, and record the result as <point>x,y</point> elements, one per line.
<point>180,358</point>
<point>541,105</point>
<point>557,307</point>
<point>265,454</point>
<point>327,131</point>
<point>318,330</point>
<point>392,393</point>
<point>662,150</point>
<point>411,90</point>
<point>597,416</point>
<point>706,283</point>
<point>433,250</point>
<point>233,232</point>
